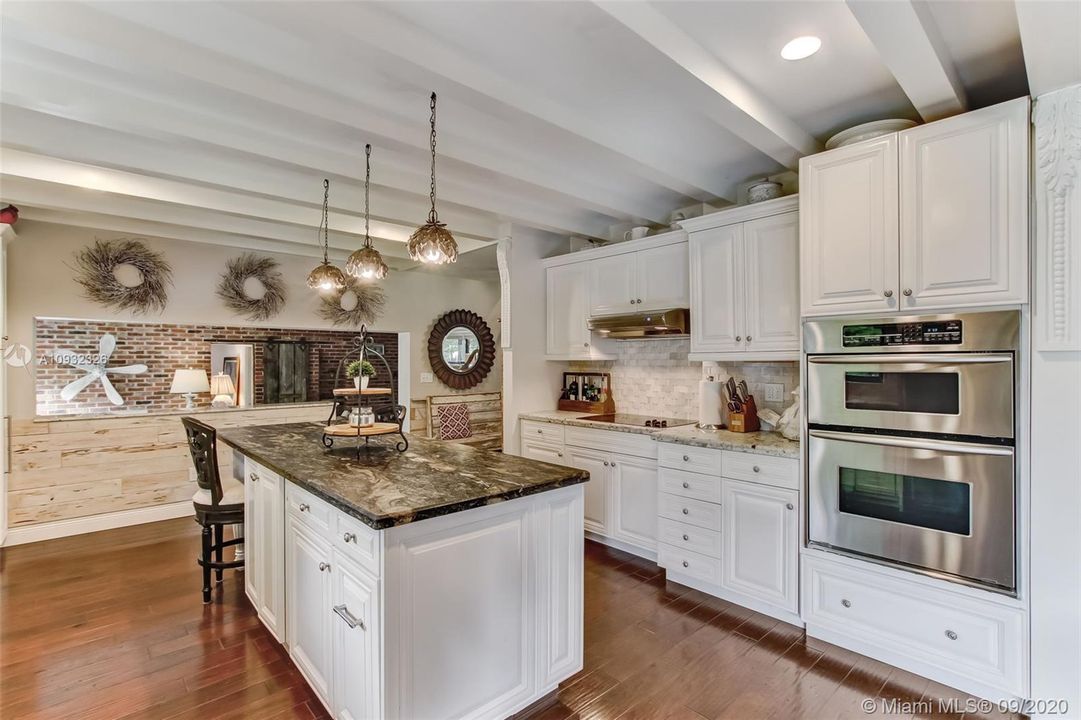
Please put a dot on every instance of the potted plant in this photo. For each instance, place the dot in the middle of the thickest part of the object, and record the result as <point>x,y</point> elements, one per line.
<point>360,371</point>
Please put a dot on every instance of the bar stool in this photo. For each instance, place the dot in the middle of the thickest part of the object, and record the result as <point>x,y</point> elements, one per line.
<point>216,505</point>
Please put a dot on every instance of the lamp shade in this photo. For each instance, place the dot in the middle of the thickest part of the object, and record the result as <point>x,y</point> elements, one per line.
<point>221,385</point>
<point>190,380</point>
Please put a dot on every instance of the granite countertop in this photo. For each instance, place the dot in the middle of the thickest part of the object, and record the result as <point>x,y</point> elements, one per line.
<point>386,488</point>
<point>759,443</point>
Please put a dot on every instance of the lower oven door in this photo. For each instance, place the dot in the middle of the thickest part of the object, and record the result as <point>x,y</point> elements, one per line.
<point>944,507</point>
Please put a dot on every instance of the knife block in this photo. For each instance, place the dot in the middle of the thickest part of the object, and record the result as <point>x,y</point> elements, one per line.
<point>746,420</point>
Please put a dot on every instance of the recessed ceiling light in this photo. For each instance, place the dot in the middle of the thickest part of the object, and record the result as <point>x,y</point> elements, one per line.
<point>801,47</point>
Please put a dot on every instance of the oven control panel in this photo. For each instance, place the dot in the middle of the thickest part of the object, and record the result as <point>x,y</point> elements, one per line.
<point>938,332</point>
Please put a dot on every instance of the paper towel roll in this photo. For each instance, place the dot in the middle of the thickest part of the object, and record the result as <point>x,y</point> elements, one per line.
<point>709,403</point>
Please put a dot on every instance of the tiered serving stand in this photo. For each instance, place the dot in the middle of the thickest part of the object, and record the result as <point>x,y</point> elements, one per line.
<point>389,418</point>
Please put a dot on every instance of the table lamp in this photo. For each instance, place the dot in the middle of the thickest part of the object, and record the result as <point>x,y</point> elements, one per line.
<point>187,382</point>
<point>221,387</point>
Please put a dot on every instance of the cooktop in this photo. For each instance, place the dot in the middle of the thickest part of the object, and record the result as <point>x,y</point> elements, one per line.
<point>638,420</point>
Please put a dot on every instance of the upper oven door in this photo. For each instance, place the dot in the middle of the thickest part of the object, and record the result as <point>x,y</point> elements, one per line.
<point>956,394</point>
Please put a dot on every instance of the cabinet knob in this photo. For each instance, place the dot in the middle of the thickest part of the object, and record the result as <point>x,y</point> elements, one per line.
<point>539,431</point>
<point>739,338</point>
<point>686,485</point>
<point>686,564</point>
<point>639,301</point>
<point>350,537</point>
<point>756,468</point>
<point>888,293</point>
<point>951,634</point>
<point>585,344</point>
<point>303,507</point>
<point>632,301</point>
<point>846,603</point>
<point>686,458</point>
<point>559,454</point>
<point>748,338</point>
<point>606,463</point>
<point>907,292</point>
<point>686,511</point>
<point>686,537</point>
<point>253,477</point>
<point>790,506</point>
<point>324,567</point>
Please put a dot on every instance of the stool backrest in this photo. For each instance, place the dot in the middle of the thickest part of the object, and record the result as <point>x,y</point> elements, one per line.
<point>203,444</point>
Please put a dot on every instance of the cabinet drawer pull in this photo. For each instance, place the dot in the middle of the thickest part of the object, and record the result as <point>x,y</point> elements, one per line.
<point>907,292</point>
<point>686,537</point>
<point>304,507</point>
<point>846,603</point>
<point>790,506</point>
<point>686,486</point>
<point>324,567</point>
<point>686,511</point>
<point>350,537</point>
<point>344,614</point>
<point>686,458</point>
<point>888,293</point>
<point>686,564</point>
<point>951,634</point>
<point>253,477</point>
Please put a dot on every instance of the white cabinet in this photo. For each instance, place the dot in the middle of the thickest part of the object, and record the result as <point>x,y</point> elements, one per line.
<point>651,278</point>
<point>596,463</point>
<point>964,209</point>
<point>308,603</point>
<point>633,492</point>
<point>931,218</point>
<point>662,278</point>
<point>355,641</point>
<point>567,311</point>
<point>745,284</point>
<point>543,451</point>
<point>848,229</point>
<point>613,284</point>
<point>759,547</point>
<point>264,545</point>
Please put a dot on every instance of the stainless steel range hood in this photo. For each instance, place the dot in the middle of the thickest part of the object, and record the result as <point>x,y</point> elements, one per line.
<point>662,323</point>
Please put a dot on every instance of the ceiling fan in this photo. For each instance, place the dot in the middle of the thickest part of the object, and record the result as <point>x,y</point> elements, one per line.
<point>95,370</point>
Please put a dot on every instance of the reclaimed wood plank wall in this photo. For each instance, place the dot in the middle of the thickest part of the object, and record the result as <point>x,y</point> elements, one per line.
<point>72,468</point>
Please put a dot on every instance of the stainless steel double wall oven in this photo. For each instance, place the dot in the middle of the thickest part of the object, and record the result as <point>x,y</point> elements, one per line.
<point>910,447</point>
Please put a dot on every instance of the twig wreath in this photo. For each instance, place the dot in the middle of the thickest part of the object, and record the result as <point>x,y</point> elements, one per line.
<point>96,266</point>
<point>237,272</point>
<point>338,308</point>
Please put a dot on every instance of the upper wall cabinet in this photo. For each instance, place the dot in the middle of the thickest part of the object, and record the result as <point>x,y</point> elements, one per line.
<point>650,279</point>
<point>744,266</point>
<point>567,288</point>
<point>932,218</point>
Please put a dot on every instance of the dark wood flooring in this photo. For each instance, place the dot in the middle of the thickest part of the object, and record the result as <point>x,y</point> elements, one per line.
<point>110,625</point>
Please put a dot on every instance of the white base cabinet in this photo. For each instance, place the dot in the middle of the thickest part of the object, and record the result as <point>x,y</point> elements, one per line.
<point>264,542</point>
<point>476,614</point>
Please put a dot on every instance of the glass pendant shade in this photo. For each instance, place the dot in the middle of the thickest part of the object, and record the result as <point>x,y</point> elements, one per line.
<point>326,277</point>
<point>432,243</point>
<point>366,263</point>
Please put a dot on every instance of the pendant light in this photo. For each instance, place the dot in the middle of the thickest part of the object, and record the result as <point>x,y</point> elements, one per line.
<point>367,263</point>
<point>432,243</point>
<point>326,277</point>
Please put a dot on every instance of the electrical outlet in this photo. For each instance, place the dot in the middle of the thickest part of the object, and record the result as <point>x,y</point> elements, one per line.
<point>427,377</point>
<point>774,392</point>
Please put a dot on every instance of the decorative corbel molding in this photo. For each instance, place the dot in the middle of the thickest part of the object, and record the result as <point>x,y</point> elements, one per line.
<point>1057,307</point>
<point>502,258</point>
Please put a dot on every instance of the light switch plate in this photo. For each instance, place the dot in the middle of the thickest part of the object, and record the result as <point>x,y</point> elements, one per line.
<point>774,392</point>
<point>427,377</point>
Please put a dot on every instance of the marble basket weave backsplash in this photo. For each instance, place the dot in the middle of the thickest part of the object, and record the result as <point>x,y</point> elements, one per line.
<point>654,377</point>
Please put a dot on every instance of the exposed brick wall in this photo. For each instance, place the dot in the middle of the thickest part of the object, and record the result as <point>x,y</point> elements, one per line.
<point>164,348</point>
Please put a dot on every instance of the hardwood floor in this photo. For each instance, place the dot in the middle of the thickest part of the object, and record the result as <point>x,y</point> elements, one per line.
<point>110,625</point>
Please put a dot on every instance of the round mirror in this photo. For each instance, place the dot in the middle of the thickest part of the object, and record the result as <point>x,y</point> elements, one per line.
<point>461,349</point>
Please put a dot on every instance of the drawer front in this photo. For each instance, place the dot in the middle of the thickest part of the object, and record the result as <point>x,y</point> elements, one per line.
<point>358,542</point>
<point>308,508</point>
<point>764,469</point>
<point>686,457</point>
<point>623,443</point>
<point>692,485</point>
<point>548,432</point>
<point>690,563</point>
<point>979,639</point>
<point>690,511</point>
<point>689,537</point>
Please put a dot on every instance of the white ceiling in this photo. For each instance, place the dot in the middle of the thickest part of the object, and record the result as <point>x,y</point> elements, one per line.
<point>216,121</point>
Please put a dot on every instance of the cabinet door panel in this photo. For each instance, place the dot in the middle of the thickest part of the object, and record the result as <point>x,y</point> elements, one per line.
<point>662,278</point>
<point>758,540</point>
<point>964,201</point>
<point>848,229</point>
<point>251,536</point>
<point>634,500</point>
<point>613,284</point>
<point>771,259</point>
<point>271,562</point>
<point>308,605</point>
<point>596,489</point>
<point>717,296</point>
<point>567,310</point>
<point>355,634</point>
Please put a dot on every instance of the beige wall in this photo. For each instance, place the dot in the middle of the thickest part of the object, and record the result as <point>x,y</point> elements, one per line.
<point>41,284</point>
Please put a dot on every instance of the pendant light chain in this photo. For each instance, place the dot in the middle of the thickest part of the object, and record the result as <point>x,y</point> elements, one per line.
<point>324,223</point>
<point>367,183</point>
<point>433,216</point>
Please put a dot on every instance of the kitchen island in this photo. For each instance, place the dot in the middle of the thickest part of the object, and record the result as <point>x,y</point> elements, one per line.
<point>443,582</point>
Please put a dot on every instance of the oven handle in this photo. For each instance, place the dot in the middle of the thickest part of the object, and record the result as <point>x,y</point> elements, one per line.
<point>909,359</point>
<point>913,443</point>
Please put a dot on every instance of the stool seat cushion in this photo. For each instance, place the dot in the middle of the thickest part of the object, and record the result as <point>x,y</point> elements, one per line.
<point>232,494</point>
